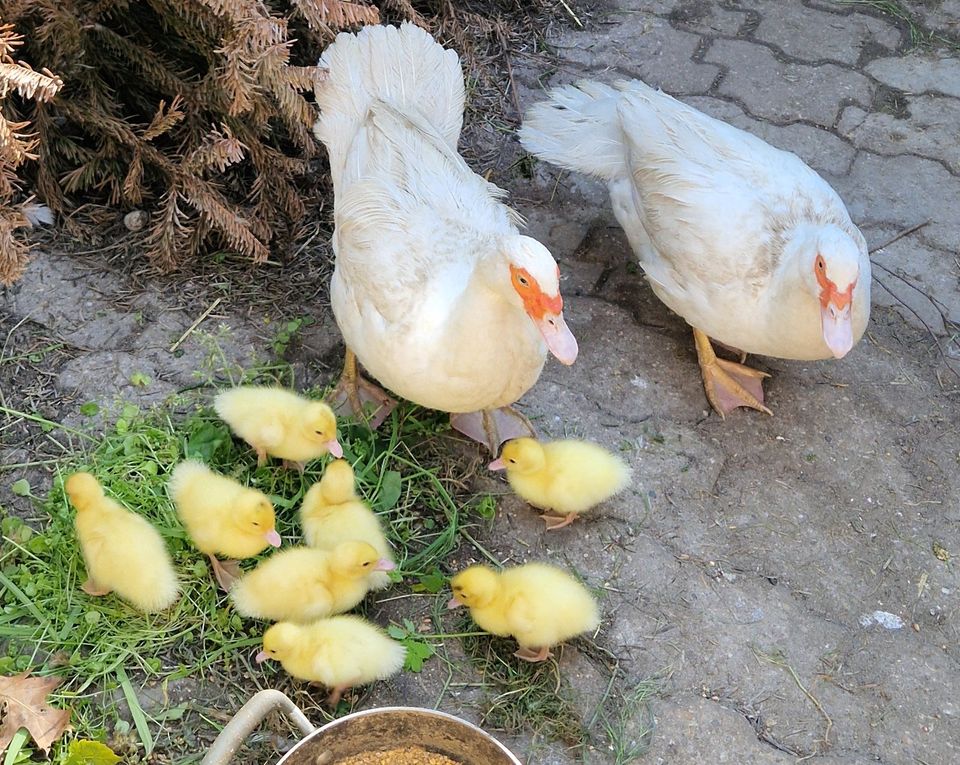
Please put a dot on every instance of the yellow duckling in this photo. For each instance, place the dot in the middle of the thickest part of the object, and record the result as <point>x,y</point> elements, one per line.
<point>539,605</point>
<point>280,423</point>
<point>565,478</point>
<point>303,584</point>
<point>332,513</point>
<point>122,551</point>
<point>222,517</point>
<point>338,652</point>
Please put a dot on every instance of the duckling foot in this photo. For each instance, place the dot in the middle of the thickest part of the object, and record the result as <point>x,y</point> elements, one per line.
<point>261,456</point>
<point>353,393</point>
<point>291,465</point>
<point>225,572</point>
<point>528,654</point>
<point>334,698</point>
<point>728,385</point>
<point>555,522</point>
<point>92,588</point>
<point>491,427</point>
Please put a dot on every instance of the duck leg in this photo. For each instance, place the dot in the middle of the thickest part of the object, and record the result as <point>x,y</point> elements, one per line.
<point>92,588</point>
<point>727,384</point>
<point>354,392</point>
<point>225,572</point>
<point>528,654</point>
<point>555,522</point>
<point>491,427</point>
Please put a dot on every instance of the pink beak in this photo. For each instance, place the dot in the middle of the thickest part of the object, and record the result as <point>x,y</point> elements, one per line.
<point>384,565</point>
<point>333,446</point>
<point>837,328</point>
<point>273,537</point>
<point>558,337</point>
<point>497,464</point>
<point>453,603</point>
<point>261,657</point>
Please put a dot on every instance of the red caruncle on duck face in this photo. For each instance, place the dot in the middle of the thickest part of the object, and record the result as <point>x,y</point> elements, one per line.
<point>546,312</point>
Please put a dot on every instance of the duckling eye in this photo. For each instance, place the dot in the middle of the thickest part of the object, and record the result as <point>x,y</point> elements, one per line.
<point>256,523</point>
<point>319,432</point>
<point>366,563</point>
<point>512,462</point>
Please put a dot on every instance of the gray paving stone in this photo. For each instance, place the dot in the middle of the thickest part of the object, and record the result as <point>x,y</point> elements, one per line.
<point>821,149</point>
<point>904,191</point>
<point>785,92</point>
<point>639,46</point>
<point>707,18</point>
<point>694,730</point>
<point>919,72</point>
<point>809,34</point>
<point>932,130</point>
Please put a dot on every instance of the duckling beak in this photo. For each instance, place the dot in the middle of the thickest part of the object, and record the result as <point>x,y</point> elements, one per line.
<point>453,603</point>
<point>273,537</point>
<point>558,337</point>
<point>384,565</point>
<point>261,657</point>
<point>333,446</point>
<point>497,464</point>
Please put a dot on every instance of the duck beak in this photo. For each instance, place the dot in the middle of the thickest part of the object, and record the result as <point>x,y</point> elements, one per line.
<point>273,538</point>
<point>333,446</point>
<point>558,337</point>
<point>384,565</point>
<point>453,603</point>
<point>261,657</point>
<point>837,328</point>
<point>497,464</point>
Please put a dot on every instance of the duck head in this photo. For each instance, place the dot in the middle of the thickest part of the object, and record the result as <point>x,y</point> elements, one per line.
<point>535,284</point>
<point>830,268</point>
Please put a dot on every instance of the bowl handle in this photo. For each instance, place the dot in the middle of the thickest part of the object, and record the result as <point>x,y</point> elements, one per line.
<point>249,717</point>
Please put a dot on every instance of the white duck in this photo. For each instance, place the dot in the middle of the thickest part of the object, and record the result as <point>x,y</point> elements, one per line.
<point>744,241</point>
<point>435,291</point>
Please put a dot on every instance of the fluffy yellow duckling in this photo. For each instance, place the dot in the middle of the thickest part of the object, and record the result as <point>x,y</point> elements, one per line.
<point>338,652</point>
<point>222,517</point>
<point>123,552</point>
<point>303,584</point>
<point>539,605</point>
<point>565,478</point>
<point>280,423</point>
<point>332,513</point>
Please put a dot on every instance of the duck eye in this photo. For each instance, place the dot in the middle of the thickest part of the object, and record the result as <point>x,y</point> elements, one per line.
<point>523,281</point>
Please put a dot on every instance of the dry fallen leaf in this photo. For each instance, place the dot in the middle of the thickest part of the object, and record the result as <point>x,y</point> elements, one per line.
<point>23,705</point>
<point>940,552</point>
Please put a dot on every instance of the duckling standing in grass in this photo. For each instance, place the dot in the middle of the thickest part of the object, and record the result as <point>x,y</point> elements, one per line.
<point>539,605</point>
<point>332,513</point>
<point>222,517</point>
<point>280,423</point>
<point>303,584</point>
<point>339,652</point>
<point>564,478</point>
<point>122,551</point>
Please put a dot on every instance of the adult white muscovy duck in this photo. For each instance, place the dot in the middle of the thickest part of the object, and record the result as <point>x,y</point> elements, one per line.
<point>741,239</point>
<point>435,291</point>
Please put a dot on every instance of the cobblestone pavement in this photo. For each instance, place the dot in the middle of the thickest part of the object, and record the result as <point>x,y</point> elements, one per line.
<point>749,567</point>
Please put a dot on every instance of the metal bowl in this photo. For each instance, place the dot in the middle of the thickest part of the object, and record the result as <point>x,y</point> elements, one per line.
<point>393,727</point>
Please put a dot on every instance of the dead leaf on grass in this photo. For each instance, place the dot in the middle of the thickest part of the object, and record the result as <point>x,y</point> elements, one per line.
<point>940,552</point>
<point>23,705</point>
<point>91,753</point>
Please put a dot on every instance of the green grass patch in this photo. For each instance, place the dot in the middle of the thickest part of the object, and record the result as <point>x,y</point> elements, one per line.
<point>106,651</point>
